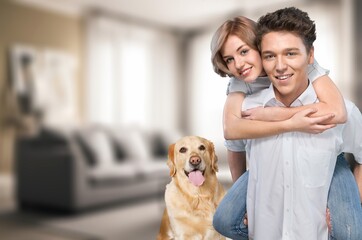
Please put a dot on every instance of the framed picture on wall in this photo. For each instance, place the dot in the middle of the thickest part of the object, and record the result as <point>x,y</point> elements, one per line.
<point>44,83</point>
<point>23,66</point>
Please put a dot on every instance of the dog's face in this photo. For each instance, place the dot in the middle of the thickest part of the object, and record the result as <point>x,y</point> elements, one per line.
<point>192,157</point>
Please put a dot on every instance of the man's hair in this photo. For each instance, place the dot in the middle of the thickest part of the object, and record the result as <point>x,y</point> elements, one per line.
<point>288,19</point>
<point>241,27</point>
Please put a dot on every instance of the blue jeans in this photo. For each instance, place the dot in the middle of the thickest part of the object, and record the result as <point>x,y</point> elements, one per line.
<point>343,203</point>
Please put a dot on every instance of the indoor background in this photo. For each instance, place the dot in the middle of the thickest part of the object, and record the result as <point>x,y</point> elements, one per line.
<point>138,64</point>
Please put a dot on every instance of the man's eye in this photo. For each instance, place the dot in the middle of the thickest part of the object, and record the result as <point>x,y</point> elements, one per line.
<point>202,148</point>
<point>291,54</point>
<point>183,150</point>
<point>268,57</point>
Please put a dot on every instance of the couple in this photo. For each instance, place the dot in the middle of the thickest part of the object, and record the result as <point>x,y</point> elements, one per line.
<point>289,174</point>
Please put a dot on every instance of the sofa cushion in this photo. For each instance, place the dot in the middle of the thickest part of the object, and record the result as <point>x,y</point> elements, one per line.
<point>102,147</point>
<point>160,141</point>
<point>119,150</point>
<point>119,146</point>
<point>86,149</point>
<point>155,168</point>
<point>159,147</point>
<point>97,147</point>
<point>118,172</point>
<point>133,141</point>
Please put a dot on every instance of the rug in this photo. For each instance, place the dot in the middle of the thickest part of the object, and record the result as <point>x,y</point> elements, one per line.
<point>131,221</point>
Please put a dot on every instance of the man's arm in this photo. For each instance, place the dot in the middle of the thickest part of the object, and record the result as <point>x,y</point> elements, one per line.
<point>237,164</point>
<point>330,100</point>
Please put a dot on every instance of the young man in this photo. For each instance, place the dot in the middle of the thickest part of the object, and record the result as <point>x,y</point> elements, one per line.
<point>290,173</point>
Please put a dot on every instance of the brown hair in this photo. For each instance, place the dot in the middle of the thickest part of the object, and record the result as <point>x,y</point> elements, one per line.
<point>241,27</point>
<point>288,19</point>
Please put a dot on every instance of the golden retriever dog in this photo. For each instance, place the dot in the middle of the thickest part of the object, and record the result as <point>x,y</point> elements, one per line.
<point>194,191</point>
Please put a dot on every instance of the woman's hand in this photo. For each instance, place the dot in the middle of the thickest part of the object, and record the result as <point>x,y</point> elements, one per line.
<point>269,114</point>
<point>302,122</point>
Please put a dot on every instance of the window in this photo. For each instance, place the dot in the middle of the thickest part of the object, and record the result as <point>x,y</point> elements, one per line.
<point>131,75</point>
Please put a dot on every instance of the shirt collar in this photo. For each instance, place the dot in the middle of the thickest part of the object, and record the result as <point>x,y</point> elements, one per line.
<point>309,96</point>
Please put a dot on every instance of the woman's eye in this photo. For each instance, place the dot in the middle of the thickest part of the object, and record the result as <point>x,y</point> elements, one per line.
<point>202,147</point>
<point>228,60</point>
<point>183,150</point>
<point>244,51</point>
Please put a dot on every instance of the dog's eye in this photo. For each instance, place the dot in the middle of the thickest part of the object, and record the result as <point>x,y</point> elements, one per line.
<point>202,148</point>
<point>183,150</point>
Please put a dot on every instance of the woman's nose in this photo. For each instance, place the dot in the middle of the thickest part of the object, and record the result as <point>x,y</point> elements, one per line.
<point>239,62</point>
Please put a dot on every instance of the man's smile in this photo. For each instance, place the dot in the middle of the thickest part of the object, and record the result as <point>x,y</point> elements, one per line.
<point>284,77</point>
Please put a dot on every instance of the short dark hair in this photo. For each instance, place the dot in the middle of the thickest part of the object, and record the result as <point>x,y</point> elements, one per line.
<point>289,19</point>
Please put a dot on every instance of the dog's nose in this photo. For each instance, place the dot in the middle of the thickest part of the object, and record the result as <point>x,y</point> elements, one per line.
<point>195,160</point>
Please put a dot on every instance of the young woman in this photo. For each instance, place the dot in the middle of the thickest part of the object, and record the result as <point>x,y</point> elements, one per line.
<point>234,54</point>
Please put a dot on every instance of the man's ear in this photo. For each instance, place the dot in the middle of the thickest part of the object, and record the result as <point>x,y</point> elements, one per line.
<point>171,160</point>
<point>311,55</point>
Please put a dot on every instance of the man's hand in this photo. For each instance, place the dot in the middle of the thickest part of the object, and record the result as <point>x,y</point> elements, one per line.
<point>302,122</point>
<point>245,220</point>
<point>357,172</point>
<point>328,220</point>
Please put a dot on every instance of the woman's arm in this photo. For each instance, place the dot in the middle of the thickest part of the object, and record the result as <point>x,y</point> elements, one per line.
<point>331,101</point>
<point>236,127</point>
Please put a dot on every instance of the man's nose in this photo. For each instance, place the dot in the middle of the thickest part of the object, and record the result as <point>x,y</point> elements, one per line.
<point>281,64</point>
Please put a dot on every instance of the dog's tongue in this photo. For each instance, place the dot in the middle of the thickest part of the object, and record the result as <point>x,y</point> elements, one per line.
<point>196,178</point>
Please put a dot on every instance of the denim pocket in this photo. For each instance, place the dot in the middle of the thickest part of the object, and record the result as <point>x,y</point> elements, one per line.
<point>313,166</point>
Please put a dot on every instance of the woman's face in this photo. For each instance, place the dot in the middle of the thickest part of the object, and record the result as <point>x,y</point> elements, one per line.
<point>242,61</point>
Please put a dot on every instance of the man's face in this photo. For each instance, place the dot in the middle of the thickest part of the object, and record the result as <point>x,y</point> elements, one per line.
<point>285,60</point>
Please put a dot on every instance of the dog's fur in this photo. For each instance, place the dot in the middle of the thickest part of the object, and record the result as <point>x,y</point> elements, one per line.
<point>189,208</point>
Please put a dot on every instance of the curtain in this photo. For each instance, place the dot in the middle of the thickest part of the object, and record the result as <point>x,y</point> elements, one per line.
<point>131,74</point>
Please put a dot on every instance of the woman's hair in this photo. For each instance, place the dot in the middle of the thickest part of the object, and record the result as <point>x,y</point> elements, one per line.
<point>241,27</point>
<point>290,20</point>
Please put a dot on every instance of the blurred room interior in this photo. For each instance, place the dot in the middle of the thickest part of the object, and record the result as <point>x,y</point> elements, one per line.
<point>126,78</point>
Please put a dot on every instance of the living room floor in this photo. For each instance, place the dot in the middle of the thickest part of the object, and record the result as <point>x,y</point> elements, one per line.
<point>134,220</point>
<point>137,220</point>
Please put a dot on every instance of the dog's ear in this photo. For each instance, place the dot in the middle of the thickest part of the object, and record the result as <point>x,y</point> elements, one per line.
<point>213,157</point>
<point>171,159</point>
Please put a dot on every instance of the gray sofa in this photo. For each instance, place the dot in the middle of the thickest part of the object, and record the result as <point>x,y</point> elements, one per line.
<point>75,169</point>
